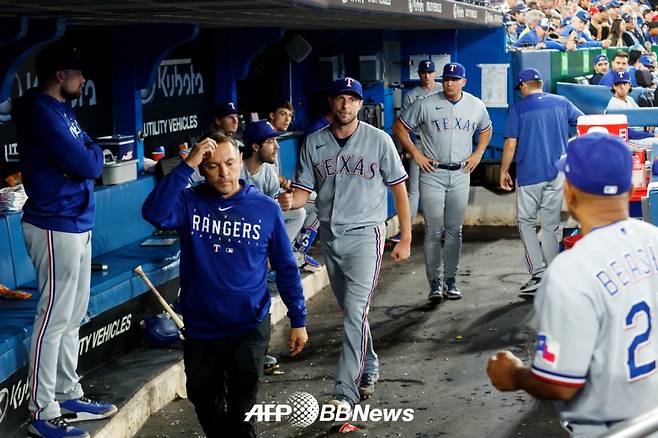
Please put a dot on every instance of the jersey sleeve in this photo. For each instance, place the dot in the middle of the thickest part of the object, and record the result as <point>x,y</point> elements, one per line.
<point>412,116</point>
<point>390,166</point>
<point>272,185</point>
<point>568,329</point>
<point>407,101</point>
<point>512,126</point>
<point>485,120</point>
<point>304,179</point>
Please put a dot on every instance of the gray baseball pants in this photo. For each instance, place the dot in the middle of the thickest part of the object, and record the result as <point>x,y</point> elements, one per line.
<point>544,198</point>
<point>444,195</point>
<point>63,265</point>
<point>353,263</point>
<point>413,190</point>
<point>294,221</point>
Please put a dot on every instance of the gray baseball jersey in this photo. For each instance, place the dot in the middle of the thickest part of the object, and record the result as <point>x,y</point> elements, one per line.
<point>446,129</point>
<point>597,307</point>
<point>351,180</point>
<point>417,92</point>
<point>266,179</point>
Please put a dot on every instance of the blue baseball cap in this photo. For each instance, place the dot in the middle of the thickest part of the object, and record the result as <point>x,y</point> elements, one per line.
<point>347,86</point>
<point>426,66</point>
<point>58,57</point>
<point>519,8</point>
<point>225,109</point>
<point>621,76</point>
<point>598,58</point>
<point>527,74</point>
<point>454,70</point>
<point>598,163</point>
<point>259,131</point>
<point>646,60</point>
<point>614,4</point>
<point>582,16</point>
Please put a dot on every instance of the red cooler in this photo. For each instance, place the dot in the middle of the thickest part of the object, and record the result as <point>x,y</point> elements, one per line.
<point>614,124</point>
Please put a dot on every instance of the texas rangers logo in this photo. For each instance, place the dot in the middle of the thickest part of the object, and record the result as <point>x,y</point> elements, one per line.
<point>348,82</point>
<point>231,105</point>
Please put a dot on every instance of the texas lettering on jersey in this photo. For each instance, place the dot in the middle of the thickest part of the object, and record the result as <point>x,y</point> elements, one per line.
<point>347,164</point>
<point>444,124</point>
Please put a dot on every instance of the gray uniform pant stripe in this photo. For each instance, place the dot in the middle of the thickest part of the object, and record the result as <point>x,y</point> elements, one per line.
<point>444,195</point>
<point>353,264</point>
<point>413,189</point>
<point>63,265</point>
<point>544,198</point>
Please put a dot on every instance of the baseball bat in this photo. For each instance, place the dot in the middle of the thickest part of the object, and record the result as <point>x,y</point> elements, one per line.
<point>179,323</point>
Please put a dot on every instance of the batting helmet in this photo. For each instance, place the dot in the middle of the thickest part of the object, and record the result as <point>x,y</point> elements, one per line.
<point>159,330</point>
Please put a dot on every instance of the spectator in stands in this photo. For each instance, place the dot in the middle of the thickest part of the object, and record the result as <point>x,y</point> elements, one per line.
<point>652,30</point>
<point>650,64</point>
<point>578,27</point>
<point>59,163</point>
<point>617,30</point>
<point>225,121</point>
<point>613,10</point>
<point>538,38</point>
<point>518,15</point>
<point>622,100</point>
<point>512,35</point>
<point>228,232</point>
<point>601,67</point>
<point>556,19</point>
<point>281,116</point>
<point>599,26</point>
<point>619,64</point>
<point>631,36</point>
<point>532,19</point>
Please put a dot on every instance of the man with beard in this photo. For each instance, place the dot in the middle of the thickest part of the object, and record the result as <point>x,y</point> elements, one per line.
<point>59,163</point>
<point>350,165</point>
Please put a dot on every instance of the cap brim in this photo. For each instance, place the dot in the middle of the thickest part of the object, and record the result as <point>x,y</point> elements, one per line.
<point>453,76</point>
<point>561,163</point>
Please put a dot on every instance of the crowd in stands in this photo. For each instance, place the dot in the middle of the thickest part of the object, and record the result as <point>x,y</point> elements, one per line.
<point>572,24</point>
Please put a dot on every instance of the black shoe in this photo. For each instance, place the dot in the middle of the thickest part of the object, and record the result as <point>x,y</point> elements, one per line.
<point>270,365</point>
<point>367,386</point>
<point>435,296</point>
<point>450,289</point>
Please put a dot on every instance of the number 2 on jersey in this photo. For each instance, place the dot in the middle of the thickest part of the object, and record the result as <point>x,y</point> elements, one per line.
<point>636,371</point>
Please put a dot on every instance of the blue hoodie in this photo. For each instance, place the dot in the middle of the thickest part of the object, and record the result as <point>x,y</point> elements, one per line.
<point>58,162</point>
<point>225,244</point>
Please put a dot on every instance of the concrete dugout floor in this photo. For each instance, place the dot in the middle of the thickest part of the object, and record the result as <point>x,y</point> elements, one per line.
<point>433,360</point>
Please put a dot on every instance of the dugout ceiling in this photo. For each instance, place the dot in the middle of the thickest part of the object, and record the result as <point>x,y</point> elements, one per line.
<point>301,14</point>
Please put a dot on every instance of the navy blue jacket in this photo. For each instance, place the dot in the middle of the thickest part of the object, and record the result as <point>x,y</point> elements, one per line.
<point>225,244</point>
<point>58,162</point>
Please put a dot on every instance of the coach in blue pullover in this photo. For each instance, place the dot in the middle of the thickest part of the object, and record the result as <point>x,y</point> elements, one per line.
<point>59,162</point>
<point>228,231</point>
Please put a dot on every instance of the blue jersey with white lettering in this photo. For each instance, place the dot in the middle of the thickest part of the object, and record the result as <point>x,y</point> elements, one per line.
<point>225,245</point>
<point>597,310</point>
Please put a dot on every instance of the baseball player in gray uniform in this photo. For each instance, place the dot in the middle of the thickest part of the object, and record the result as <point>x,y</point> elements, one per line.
<point>597,304</point>
<point>350,165</point>
<point>446,122</point>
<point>427,87</point>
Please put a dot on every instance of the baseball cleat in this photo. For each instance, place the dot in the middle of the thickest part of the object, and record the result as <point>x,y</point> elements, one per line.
<point>84,409</point>
<point>435,295</point>
<point>367,386</point>
<point>54,428</point>
<point>531,285</point>
<point>270,364</point>
<point>450,289</point>
<point>308,263</point>
<point>342,402</point>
